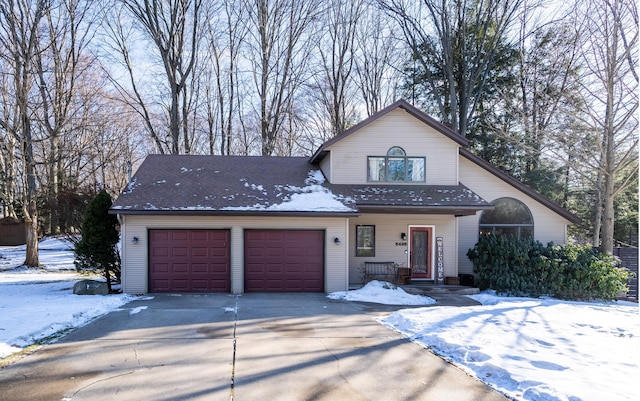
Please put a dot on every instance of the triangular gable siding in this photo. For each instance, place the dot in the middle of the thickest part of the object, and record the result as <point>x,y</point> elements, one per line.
<point>548,225</point>
<point>348,157</point>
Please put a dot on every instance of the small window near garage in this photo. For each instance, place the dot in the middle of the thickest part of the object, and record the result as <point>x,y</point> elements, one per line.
<point>509,217</point>
<point>396,166</point>
<point>365,240</point>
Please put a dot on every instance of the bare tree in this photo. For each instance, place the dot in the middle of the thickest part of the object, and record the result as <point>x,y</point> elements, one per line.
<point>378,61</point>
<point>174,28</point>
<point>548,85</point>
<point>9,126</point>
<point>455,42</point>
<point>611,103</point>
<point>20,21</point>
<point>278,44</point>
<point>333,86</point>
<point>59,62</point>
<point>226,35</point>
<point>117,55</point>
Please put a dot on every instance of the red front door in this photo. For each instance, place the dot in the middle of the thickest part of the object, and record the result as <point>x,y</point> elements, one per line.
<point>420,240</point>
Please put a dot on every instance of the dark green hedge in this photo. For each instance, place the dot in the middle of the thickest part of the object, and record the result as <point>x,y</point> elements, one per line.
<point>525,267</point>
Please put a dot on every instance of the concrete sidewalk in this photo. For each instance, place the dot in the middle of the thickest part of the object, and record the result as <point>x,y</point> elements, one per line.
<point>248,347</point>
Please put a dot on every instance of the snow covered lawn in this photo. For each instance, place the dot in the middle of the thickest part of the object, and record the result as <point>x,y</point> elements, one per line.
<point>39,303</point>
<point>529,349</point>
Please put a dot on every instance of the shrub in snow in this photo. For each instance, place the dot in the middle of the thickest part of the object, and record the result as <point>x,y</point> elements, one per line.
<point>525,267</point>
<point>96,250</point>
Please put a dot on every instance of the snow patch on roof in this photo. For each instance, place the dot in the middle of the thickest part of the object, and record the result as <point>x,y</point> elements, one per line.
<point>315,177</point>
<point>254,186</point>
<point>311,198</point>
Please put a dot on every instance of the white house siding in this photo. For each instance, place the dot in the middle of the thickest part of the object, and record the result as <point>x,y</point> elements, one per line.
<point>325,166</point>
<point>135,256</point>
<point>548,226</point>
<point>397,128</point>
<point>388,228</point>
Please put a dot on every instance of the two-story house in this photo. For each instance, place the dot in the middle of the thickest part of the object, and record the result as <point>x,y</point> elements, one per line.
<point>398,187</point>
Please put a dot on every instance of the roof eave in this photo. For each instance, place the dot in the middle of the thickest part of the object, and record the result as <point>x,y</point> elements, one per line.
<point>263,213</point>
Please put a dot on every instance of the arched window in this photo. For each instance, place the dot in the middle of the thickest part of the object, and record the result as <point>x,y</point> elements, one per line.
<point>396,166</point>
<point>509,217</point>
<point>396,151</point>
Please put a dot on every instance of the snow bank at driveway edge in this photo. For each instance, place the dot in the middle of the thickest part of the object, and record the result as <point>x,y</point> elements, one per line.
<point>382,292</point>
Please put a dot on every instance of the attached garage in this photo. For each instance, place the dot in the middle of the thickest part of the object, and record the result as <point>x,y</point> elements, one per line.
<point>284,260</point>
<point>189,261</point>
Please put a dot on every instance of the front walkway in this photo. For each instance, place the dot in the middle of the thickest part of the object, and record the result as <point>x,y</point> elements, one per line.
<point>445,295</point>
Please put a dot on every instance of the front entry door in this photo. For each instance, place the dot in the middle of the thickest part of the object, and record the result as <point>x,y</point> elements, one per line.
<point>420,252</point>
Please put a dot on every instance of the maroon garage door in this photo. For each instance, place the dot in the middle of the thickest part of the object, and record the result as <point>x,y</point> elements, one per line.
<point>283,261</point>
<point>189,261</point>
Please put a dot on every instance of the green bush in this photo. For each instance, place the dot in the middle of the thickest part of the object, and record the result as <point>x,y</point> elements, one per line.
<point>525,267</point>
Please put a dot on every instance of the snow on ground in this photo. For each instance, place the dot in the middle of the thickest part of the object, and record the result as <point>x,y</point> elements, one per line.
<point>381,292</point>
<point>530,349</point>
<point>38,303</point>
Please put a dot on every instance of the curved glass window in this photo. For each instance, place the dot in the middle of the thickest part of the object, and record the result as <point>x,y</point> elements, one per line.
<point>509,217</point>
<point>396,166</point>
<point>396,151</point>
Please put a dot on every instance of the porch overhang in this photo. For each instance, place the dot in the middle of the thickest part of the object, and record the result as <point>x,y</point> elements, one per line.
<point>453,200</point>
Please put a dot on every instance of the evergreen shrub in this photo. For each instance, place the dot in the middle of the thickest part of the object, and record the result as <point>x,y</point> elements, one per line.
<point>526,267</point>
<point>97,249</point>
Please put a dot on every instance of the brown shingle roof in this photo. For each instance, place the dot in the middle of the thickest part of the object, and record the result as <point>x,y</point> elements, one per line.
<point>230,185</point>
<point>436,199</point>
<point>187,184</point>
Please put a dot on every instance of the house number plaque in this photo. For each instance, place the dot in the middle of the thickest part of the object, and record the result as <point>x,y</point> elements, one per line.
<point>440,260</point>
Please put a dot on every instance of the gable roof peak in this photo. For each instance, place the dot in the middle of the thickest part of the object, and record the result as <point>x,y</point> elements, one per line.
<point>402,104</point>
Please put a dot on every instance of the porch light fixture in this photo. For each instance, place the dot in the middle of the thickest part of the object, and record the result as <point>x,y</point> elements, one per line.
<point>134,240</point>
<point>403,236</point>
<point>336,240</point>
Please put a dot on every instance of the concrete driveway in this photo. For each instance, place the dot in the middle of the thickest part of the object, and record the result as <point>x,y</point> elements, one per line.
<point>249,347</point>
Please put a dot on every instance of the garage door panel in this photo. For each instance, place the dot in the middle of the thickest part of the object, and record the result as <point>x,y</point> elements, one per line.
<point>160,251</point>
<point>280,260</point>
<point>219,252</point>
<point>199,252</point>
<point>179,235</point>
<point>199,284</point>
<point>180,252</point>
<point>179,268</point>
<point>162,267</point>
<point>199,235</point>
<point>199,268</point>
<point>159,235</point>
<point>181,284</point>
<point>189,260</point>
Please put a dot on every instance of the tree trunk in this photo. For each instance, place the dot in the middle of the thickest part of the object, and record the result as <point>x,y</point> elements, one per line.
<point>597,218</point>
<point>53,186</point>
<point>609,175</point>
<point>31,207</point>
<point>31,231</point>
